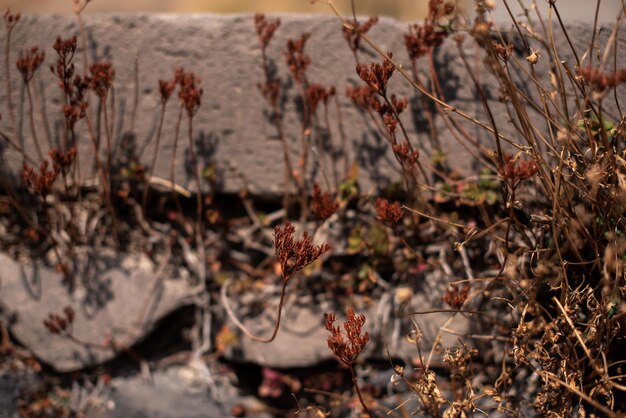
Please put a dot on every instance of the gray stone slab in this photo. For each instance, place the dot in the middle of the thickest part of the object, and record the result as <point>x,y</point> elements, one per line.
<point>119,306</point>
<point>172,392</point>
<point>302,338</point>
<point>230,128</point>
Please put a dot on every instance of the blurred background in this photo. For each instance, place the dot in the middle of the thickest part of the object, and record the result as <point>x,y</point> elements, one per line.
<point>405,10</point>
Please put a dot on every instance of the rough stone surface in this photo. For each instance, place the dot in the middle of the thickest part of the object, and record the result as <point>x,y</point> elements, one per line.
<point>172,393</point>
<point>10,385</point>
<point>301,339</point>
<point>231,128</point>
<point>111,310</point>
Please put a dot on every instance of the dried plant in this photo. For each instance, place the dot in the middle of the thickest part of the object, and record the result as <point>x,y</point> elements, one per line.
<point>324,205</point>
<point>40,182</point>
<point>28,62</point>
<point>388,212</point>
<point>346,345</point>
<point>352,34</point>
<point>292,255</point>
<point>297,60</point>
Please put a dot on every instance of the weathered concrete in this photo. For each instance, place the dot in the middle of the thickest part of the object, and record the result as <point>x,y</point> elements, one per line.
<point>230,127</point>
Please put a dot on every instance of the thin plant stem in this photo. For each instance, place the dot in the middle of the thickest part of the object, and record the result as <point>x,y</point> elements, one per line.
<point>32,122</point>
<point>103,177</point>
<point>7,70</point>
<point>241,326</point>
<point>196,172</point>
<point>355,383</point>
<point>173,163</point>
<point>155,154</point>
<point>107,133</point>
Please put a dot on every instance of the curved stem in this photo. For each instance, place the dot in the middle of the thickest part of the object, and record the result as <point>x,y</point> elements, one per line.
<point>240,325</point>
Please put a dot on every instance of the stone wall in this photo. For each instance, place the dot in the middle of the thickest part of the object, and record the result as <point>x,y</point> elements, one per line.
<point>231,128</point>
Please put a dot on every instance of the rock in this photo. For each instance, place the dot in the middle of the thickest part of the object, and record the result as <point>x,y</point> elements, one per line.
<point>113,297</point>
<point>172,393</point>
<point>301,339</point>
<point>14,383</point>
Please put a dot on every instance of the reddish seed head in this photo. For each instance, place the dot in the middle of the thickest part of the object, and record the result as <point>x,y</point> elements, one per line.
<point>600,80</point>
<point>406,153</point>
<point>28,62</point>
<point>297,60</point>
<point>101,79</point>
<point>39,182</point>
<point>317,94</point>
<point>456,297</point>
<point>62,161</point>
<point>65,48</point>
<point>189,93</point>
<point>364,97</point>
<point>265,29</point>
<point>353,35</point>
<point>346,345</point>
<point>377,74</point>
<point>323,205</point>
<point>515,170</point>
<point>10,19</point>
<point>166,88</point>
<point>295,255</point>
<point>388,212</point>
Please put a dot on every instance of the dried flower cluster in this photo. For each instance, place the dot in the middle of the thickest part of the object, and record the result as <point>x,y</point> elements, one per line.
<point>455,297</point>
<point>364,97</point>
<point>58,324</point>
<point>29,61</point>
<point>600,80</point>
<point>388,212</point>
<point>189,93</point>
<point>11,19</point>
<point>353,35</point>
<point>377,75</point>
<point>62,160</point>
<point>317,94</point>
<point>514,170</point>
<point>406,153</point>
<point>323,205</point>
<point>166,88</point>
<point>270,88</point>
<point>294,255</point>
<point>74,86</point>
<point>297,60</point>
<point>101,78</point>
<point>40,182</point>
<point>265,29</point>
<point>64,69</point>
<point>349,344</point>
<point>422,39</point>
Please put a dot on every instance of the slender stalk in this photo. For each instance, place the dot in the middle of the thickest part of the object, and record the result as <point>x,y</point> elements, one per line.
<point>32,122</point>
<point>173,163</point>
<point>7,71</point>
<point>241,326</point>
<point>154,158</point>
<point>107,133</point>
<point>103,177</point>
<point>358,391</point>
<point>196,172</point>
